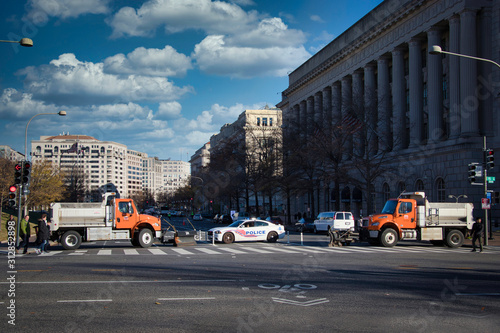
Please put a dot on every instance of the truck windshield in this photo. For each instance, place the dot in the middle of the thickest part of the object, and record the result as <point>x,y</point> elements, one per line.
<point>390,207</point>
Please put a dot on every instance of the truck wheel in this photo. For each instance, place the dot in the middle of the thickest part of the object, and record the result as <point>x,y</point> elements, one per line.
<point>272,237</point>
<point>389,237</point>
<point>228,238</point>
<point>455,238</point>
<point>71,240</point>
<point>145,238</point>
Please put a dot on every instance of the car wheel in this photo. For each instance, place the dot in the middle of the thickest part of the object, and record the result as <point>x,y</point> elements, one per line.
<point>145,238</point>
<point>71,240</point>
<point>455,238</point>
<point>228,238</point>
<point>272,237</point>
<point>389,237</point>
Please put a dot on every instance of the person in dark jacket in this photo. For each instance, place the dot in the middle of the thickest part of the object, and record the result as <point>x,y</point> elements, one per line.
<point>43,234</point>
<point>477,234</point>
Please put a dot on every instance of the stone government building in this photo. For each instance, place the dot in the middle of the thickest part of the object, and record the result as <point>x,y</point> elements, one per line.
<point>429,112</point>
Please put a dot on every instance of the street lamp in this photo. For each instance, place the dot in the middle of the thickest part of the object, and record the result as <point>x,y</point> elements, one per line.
<point>458,197</point>
<point>61,113</point>
<point>24,42</point>
<point>19,209</point>
<point>436,49</point>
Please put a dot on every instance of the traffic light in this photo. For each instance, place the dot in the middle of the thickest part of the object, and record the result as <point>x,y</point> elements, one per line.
<point>489,158</point>
<point>26,172</point>
<point>12,196</point>
<point>496,197</point>
<point>475,172</point>
<point>18,173</point>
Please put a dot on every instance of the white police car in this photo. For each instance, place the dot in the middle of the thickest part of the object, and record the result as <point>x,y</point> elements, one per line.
<point>247,230</point>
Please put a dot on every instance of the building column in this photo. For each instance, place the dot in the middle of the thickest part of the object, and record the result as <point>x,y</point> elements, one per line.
<point>454,78</point>
<point>435,88</point>
<point>370,99</point>
<point>318,111</point>
<point>310,116</point>
<point>336,104</point>
<point>399,98</point>
<point>358,111</point>
<point>346,110</point>
<point>468,75</point>
<point>303,122</point>
<point>384,104</point>
<point>416,92</point>
<point>327,110</point>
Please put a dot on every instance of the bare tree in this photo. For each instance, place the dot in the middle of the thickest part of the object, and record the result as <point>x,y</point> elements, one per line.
<point>46,185</point>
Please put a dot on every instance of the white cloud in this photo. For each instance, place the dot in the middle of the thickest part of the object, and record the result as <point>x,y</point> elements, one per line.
<point>67,80</point>
<point>316,18</point>
<point>19,105</point>
<point>268,33</point>
<point>41,10</point>
<point>169,110</point>
<point>152,62</point>
<point>179,15</point>
<point>214,56</point>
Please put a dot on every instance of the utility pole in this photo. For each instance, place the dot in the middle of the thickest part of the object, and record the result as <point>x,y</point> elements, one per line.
<point>485,191</point>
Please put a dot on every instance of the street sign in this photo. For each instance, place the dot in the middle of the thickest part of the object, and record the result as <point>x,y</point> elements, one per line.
<point>485,203</point>
<point>491,180</point>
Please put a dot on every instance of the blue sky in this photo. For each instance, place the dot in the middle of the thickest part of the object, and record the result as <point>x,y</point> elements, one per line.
<point>159,76</point>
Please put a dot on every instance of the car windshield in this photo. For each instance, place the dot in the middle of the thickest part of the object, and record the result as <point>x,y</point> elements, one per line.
<point>390,207</point>
<point>326,215</point>
<point>234,224</point>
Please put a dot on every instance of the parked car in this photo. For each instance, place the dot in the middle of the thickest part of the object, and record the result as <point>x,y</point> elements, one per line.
<point>249,230</point>
<point>275,219</point>
<point>197,217</point>
<point>335,220</point>
<point>305,225</point>
<point>226,219</point>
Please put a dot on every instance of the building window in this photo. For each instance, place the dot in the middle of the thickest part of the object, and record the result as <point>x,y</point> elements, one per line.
<point>386,190</point>
<point>258,121</point>
<point>264,121</point>
<point>419,185</point>
<point>441,191</point>
<point>270,121</point>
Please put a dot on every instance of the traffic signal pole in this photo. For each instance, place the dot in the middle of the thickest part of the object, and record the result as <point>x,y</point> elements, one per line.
<point>485,190</point>
<point>19,211</point>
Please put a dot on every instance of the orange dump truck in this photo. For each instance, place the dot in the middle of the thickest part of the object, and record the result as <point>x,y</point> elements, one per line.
<point>413,217</point>
<point>111,219</point>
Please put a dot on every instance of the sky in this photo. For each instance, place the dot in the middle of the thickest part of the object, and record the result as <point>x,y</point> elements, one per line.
<point>160,76</point>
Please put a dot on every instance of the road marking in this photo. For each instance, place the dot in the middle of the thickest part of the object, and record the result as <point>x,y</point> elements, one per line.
<point>84,300</point>
<point>478,294</point>
<point>104,253</point>
<point>157,251</point>
<point>234,251</point>
<point>119,281</point>
<point>130,252</point>
<point>307,249</point>
<point>186,299</point>
<point>307,303</point>
<point>257,250</point>
<point>202,249</point>
<point>281,250</point>
<point>51,253</point>
<point>78,253</point>
<point>182,251</point>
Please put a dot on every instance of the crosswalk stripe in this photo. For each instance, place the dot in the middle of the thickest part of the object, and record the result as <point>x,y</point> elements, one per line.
<point>182,251</point>
<point>306,249</point>
<point>257,250</point>
<point>104,253</point>
<point>157,251</point>
<point>279,249</point>
<point>130,252</point>
<point>78,253</point>
<point>208,251</point>
<point>51,253</point>
<point>231,250</point>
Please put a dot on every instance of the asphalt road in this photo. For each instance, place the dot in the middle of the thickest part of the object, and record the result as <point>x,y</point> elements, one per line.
<point>254,287</point>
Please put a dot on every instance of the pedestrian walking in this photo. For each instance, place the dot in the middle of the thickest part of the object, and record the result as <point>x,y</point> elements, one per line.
<point>477,235</point>
<point>25,232</point>
<point>43,234</point>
